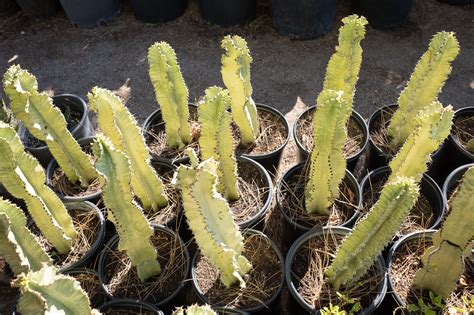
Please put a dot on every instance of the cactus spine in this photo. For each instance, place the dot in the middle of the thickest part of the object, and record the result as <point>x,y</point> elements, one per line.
<point>47,292</point>
<point>424,85</point>
<point>17,245</point>
<point>209,217</point>
<point>121,128</point>
<point>443,262</point>
<point>236,76</point>
<point>132,227</point>
<point>46,122</point>
<point>171,93</point>
<point>360,249</point>
<point>216,139</point>
<point>24,178</point>
<point>328,164</point>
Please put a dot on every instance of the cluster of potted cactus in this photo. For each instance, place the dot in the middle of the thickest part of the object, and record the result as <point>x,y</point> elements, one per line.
<point>130,218</point>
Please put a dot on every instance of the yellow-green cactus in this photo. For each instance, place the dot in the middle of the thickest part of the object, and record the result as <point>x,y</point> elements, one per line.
<point>216,139</point>
<point>236,76</point>
<point>327,162</point>
<point>470,146</point>
<point>209,217</point>
<point>424,85</point>
<point>195,310</point>
<point>433,126</point>
<point>47,123</point>
<point>132,227</point>
<point>24,178</point>
<point>343,68</point>
<point>47,292</point>
<point>361,248</point>
<point>171,93</point>
<point>18,246</point>
<point>116,122</point>
<point>443,262</point>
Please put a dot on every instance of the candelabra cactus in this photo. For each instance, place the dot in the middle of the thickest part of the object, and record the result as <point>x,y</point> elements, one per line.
<point>443,262</point>
<point>17,245</point>
<point>236,76</point>
<point>132,227</point>
<point>433,126</point>
<point>24,178</point>
<point>360,249</point>
<point>47,292</point>
<point>216,139</point>
<point>195,310</point>
<point>424,85</point>
<point>171,93</point>
<point>209,217</point>
<point>116,122</point>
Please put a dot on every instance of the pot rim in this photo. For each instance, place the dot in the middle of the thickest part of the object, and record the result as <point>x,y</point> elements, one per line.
<point>454,139</point>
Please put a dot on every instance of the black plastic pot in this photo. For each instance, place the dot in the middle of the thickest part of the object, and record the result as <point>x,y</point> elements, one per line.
<point>39,10</point>
<point>453,179</point>
<point>229,311</point>
<point>265,304</point>
<point>53,165</point>
<point>131,306</point>
<point>292,229</point>
<point>303,19</point>
<point>95,300</point>
<point>351,160</point>
<point>324,232</point>
<point>112,243</point>
<point>153,11</point>
<point>384,14</point>
<point>228,12</point>
<point>271,160</point>
<point>429,189</point>
<point>91,13</point>
<point>8,7</point>
<point>80,130</point>
<point>458,2</point>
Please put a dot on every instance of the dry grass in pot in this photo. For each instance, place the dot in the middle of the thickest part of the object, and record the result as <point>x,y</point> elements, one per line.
<point>463,130</point>
<point>379,134</point>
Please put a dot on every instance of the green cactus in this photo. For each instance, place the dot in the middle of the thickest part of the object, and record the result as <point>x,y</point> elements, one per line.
<point>171,93</point>
<point>216,139</point>
<point>424,85</point>
<point>116,122</point>
<point>195,310</point>
<point>236,76</point>
<point>327,162</point>
<point>443,262</point>
<point>360,249</point>
<point>470,146</point>
<point>209,217</point>
<point>47,292</point>
<point>343,68</point>
<point>18,246</point>
<point>132,227</point>
<point>24,178</point>
<point>434,124</point>
<point>47,123</point>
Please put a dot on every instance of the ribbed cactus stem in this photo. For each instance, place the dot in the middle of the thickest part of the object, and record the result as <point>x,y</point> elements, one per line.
<point>195,310</point>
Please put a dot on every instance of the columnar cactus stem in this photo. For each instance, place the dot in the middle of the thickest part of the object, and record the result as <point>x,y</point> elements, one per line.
<point>195,310</point>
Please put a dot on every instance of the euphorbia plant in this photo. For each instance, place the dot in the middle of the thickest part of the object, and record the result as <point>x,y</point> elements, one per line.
<point>443,262</point>
<point>171,93</point>
<point>209,217</point>
<point>24,178</point>
<point>195,310</point>
<point>46,122</point>
<point>118,124</point>
<point>134,230</point>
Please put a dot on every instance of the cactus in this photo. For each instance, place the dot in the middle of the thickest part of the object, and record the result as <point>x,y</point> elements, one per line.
<point>216,139</point>
<point>132,227</point>
<point>470,146</point>
<point>327,162</point>
<point>343,68</point>
<point>171,93</point>
<point>443,262</point>
<point>434,124</point>
<point>24,178</point>
<point>17,245</point>
<point>47,292</point>
<point>121,128</point>
<point>236,76</point>
<point>360,249</point>
<point>424,85</point>
<point>209,217</point>
<point>195,310</point>
<point>46,122</point>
